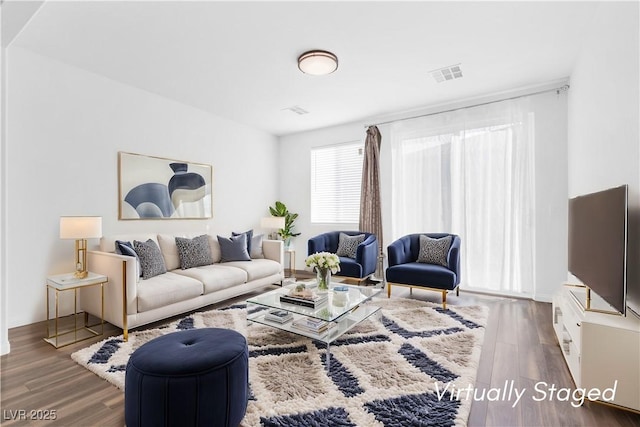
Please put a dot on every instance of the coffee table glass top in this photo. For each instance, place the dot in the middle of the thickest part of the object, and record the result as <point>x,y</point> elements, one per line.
<point>332,310</point>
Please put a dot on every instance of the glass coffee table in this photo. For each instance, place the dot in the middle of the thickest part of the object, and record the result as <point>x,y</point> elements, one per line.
<point>342,311</point>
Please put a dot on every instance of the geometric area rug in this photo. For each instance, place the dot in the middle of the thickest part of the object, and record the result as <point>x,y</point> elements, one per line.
<point>402,369</point>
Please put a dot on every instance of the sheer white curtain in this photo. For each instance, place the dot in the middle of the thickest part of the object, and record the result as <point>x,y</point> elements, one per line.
<point>470,172</point>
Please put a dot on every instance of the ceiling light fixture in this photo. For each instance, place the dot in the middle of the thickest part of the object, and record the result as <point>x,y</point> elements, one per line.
<point>318,62</point>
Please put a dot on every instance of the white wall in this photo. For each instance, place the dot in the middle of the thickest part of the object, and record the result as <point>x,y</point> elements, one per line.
<point>295,180</point>
<point>551,181</point>
<point>4,339</point>
<point>604,135</point>
<point>66,127</point>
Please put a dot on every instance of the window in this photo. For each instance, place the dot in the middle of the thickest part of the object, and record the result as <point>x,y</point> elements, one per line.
<point>336,175</point>
<point>470,172</point>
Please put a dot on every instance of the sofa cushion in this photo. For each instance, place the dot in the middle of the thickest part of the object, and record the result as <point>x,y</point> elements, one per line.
<point>126,248</point>
<point>194,252</point>
<point>234,248</point>
<point>348,245</point>
<point>169,250</point>
<point>434,251</point>
<point>249,235</point>
<point>254,244</point>
<point>150,257</point>
<point>165,289</point>
<point>258,268</point>
<point>214,245</point>
<point>415,273</point>
<point>216,276</point>
<point>108,243</point>
<point>256,247</point>
<point>349,267</point>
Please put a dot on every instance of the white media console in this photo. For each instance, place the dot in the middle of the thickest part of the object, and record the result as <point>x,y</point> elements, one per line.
<point>599,348</point>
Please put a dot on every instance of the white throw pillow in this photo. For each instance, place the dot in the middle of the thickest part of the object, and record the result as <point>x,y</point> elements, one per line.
<point>169,251</point>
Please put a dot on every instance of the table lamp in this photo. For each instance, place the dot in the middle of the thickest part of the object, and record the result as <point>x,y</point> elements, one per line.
<point>272,223</point>
<point>81,228</point>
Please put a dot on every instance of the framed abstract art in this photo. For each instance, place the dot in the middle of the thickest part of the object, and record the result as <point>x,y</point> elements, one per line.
<point>158,188</point>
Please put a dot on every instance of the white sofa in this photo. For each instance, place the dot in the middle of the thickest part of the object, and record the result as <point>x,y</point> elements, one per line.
<point>131,301</point>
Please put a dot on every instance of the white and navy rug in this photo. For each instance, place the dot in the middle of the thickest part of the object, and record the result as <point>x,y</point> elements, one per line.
<point>396,371</point>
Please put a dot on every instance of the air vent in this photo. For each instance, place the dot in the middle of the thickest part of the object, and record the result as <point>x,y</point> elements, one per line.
<point>447,73</point>
<point>296,109</point>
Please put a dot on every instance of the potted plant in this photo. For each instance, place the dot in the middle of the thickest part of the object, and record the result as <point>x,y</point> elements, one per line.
<point>280,209</point>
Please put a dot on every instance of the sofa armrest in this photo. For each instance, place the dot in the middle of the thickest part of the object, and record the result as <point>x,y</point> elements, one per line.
<point>274,250</point>
<point>399,252</point>
<point>453,257</point>
<point>122,272</point>
<point>367,254</point>
<point>317,244</point>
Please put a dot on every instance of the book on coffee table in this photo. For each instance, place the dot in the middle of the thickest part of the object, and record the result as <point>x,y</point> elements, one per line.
<point>280,316</point>
<point>310,301</point>
<point>311,325</point>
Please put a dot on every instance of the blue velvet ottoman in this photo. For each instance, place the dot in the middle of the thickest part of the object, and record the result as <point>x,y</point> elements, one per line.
<point>197,377</point>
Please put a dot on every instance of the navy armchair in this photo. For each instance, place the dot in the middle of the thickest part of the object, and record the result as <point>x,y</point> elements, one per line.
<point>405,270</point>
<point>366,256</point>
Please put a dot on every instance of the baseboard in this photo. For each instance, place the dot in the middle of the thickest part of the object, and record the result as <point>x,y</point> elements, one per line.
<point>536,297</point>
<point>543,298</point>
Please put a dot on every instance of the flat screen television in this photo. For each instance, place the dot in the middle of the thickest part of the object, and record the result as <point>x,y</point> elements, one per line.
<point>598,224</point>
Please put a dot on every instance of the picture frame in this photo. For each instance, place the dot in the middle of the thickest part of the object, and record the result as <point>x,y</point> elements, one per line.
<point>157,188</point>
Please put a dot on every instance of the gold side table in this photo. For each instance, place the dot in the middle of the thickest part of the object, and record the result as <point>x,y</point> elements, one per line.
<point>68,282</point>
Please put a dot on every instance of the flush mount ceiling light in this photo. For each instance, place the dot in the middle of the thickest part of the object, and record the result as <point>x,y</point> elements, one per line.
<point>317,62</point>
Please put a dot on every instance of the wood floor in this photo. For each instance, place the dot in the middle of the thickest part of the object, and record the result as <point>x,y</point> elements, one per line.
<point>519,345</point>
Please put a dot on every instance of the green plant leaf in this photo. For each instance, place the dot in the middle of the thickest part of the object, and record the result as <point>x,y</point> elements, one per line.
<point>280,210</point>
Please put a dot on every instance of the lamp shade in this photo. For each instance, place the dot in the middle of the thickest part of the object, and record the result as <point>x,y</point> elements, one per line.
<point>272,222</point>
<point>317,62</point>
<point>80,227</point>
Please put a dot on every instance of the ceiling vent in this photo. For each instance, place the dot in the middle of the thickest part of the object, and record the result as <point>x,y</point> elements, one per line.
<point>296,109</point>
<point>447,73</point>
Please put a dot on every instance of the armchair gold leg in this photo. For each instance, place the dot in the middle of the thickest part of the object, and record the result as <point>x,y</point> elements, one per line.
<point>388,290</point>
<point>457,291</point>
<point>444,300</point>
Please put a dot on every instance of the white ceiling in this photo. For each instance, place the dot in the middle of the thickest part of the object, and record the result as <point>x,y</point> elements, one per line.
<point>238,59</point>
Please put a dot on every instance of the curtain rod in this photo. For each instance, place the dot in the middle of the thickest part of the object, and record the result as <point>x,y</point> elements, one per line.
<point>557,90</point>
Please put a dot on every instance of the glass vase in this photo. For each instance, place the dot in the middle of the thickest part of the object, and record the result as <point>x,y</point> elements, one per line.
<point>323,275</point>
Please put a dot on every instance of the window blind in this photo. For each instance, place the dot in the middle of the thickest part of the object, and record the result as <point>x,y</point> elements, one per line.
<point>336,175</point>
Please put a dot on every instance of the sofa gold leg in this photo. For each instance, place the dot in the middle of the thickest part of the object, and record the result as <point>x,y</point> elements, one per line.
<point>444,300</point>
<point>457,291</point>
<point>388,290</point>
<point>411,291</point>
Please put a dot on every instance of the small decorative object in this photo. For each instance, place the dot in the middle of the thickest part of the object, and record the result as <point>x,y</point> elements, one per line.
<point>301,295</point>
<point>325,264</point>
<point>340,296</point>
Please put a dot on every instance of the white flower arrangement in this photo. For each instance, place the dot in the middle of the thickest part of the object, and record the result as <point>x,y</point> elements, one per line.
<point>324,261</point>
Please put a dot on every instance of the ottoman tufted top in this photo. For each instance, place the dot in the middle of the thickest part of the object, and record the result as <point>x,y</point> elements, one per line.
<point>194,351</point>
